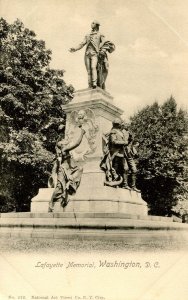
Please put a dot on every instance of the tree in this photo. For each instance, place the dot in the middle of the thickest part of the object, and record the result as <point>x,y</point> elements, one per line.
<point>31,99</point>
<point>161,132</point>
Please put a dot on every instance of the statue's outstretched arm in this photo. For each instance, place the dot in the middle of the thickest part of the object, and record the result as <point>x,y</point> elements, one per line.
<point>80,46</point>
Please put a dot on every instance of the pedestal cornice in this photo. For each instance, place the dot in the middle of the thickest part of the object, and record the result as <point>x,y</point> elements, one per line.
<point>91,94</point>
<point>94,104</point>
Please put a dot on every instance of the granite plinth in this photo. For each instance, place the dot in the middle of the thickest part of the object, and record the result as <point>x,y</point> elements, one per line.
<point>40,203</point>
<point>104,199</point>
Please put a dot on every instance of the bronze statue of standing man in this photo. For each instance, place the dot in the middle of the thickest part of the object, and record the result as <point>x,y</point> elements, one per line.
<point>96,59</point>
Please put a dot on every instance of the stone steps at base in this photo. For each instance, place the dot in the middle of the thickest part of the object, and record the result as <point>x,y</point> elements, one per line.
<point>78,220</point>
<point>129,235</point>
<point>90,223</point>
<point>92,215</point>
<point>86,225</point>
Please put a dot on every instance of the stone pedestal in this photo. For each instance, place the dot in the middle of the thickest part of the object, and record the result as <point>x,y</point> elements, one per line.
<point>40,203</point>
<point>99,200</point>
<point>100,106</point>
<point>92,195</point>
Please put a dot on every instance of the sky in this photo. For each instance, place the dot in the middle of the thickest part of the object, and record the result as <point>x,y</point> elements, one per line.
<point>150,62</point>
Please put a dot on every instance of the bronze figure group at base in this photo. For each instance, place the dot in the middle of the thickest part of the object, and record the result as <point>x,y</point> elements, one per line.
<point>117,163</point>
<point>119,155</point>
<point>66,176</point>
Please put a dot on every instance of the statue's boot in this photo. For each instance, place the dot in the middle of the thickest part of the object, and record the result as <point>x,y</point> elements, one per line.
<point>133,183</point>
<point>90,85</point>
<point>125,183</point>
<point>94,84</point>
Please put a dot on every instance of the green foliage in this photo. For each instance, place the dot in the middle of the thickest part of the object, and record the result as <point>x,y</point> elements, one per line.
<point>181,196</point>
<point>31,99</point>
<point>161,132</point>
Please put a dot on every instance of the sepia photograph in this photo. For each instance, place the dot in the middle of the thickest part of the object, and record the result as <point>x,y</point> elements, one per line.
<point>93,149</point>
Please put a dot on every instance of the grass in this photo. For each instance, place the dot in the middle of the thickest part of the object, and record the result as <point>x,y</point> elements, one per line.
<point>37,245</point>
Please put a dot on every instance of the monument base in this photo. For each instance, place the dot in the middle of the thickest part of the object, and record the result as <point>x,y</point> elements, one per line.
<point>104,199</point>
<point>92,196</point>
<point>103,226</point>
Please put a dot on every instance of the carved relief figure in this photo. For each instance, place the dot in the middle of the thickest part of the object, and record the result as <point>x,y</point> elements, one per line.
<point>86,119</point>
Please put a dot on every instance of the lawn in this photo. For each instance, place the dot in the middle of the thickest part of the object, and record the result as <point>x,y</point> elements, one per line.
<point>47,245</point>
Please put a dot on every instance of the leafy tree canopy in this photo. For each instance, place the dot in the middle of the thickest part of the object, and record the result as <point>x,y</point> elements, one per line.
<point>31,99</point>
<point>162,135</point>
